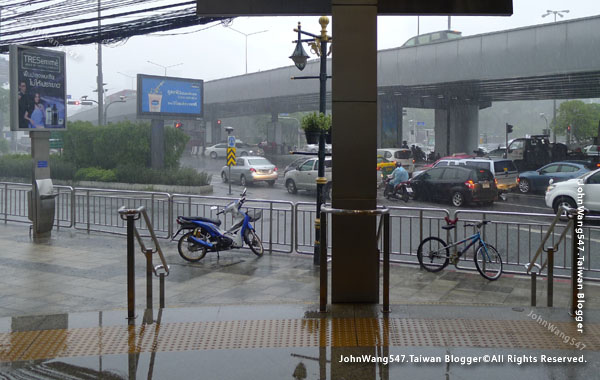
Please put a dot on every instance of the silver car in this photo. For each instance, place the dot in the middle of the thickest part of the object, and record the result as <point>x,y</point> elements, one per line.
<point>249,170</point>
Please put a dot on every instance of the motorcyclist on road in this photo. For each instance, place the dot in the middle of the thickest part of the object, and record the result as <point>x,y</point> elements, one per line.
<point>398,176</point>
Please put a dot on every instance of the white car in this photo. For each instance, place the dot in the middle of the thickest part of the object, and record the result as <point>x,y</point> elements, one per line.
<point>402,155</point>
<point>304,176</point>
<point>568,192</point>
<point>314,148</point>
<point>220,150</point>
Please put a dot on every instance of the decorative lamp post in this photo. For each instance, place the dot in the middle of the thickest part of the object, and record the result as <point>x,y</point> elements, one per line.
<point>318,44</point>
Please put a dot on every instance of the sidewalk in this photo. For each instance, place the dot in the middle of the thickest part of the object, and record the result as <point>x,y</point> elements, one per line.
<point>78,272</point>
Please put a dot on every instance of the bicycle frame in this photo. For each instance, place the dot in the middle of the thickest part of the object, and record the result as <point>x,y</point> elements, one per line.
<point>473,239</point>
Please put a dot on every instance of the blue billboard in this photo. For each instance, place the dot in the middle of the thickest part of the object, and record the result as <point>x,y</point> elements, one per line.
<point>165,97</point>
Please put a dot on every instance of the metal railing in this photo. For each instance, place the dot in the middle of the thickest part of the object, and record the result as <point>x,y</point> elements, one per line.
<point>289,227</point>
<point>129,216</point>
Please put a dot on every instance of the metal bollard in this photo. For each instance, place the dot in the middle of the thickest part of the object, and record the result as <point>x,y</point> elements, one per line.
<point>130,268</point>
<point>533,288</point>
<point>550,295</point>
<point>149,270</point>
<point>162,290</point>
<point>323,266</point>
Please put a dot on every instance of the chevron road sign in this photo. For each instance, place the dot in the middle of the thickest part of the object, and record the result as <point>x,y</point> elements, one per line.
<point>230,156</point>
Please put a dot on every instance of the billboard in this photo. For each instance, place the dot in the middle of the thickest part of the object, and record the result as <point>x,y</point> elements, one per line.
<point>37,89</point>
<point>169,98</point>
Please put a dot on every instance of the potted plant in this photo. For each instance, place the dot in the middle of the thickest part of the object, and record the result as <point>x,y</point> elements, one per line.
<point>313,124</point>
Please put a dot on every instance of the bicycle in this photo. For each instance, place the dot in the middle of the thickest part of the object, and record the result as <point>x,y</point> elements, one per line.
<point>437,253</point>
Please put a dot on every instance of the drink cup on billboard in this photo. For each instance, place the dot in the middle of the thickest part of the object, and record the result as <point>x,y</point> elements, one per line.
<point>154,101</point>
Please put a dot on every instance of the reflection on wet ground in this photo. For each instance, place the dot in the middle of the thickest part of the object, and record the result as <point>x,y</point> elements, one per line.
<point>296,342</point>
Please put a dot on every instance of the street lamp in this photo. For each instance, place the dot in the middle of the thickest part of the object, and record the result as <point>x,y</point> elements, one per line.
<point>130,77</point>
<point>245,35</point>
<point>165,67</point>
<point>121,100</point>
<point>318,44</point>
<point>561,14</point>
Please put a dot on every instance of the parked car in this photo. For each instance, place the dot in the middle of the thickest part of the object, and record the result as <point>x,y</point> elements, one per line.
<point>592,150</point>
<point>304,176</point>
<point>314,148</point>
<point>402,155</point>
<point>537,180</point>
<point>242,149</point>
<point>250,170</point>
<point>458,184</point>
<point>566,192</point>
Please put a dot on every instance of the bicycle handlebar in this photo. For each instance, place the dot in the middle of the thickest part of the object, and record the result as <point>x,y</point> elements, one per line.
<point>478,225</point>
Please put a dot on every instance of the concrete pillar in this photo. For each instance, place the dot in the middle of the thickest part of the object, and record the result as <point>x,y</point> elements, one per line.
<point>355,262</point>
<point>458,130</point>
<point>276,127</point>
<point>389,122</point>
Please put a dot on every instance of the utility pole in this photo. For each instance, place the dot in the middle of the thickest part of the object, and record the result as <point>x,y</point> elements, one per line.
<point>100,78</point>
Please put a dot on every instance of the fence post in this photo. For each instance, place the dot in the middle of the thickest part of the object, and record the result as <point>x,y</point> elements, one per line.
<point>270,227</point>
<point>386,262</point>
<point>130,269</point>
<point>88,212</point>
<point>550,295</point>
<point>161,279</point>
<point>574,292</point>
<point>533,288</point>
<point>6,203</point>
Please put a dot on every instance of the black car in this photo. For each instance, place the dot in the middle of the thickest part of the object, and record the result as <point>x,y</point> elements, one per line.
<point>457,184</point>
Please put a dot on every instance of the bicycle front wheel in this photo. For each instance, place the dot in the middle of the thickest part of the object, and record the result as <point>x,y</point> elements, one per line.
<point>488,262</point>
<point>433,254</point>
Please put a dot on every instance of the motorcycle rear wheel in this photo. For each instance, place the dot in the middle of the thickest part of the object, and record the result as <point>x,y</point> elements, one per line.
<point>190,250</point>
<point>254,242</point>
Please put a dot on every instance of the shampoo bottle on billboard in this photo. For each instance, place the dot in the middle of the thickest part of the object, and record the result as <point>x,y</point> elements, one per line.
<point>48,115</point>
<point>54,115</point>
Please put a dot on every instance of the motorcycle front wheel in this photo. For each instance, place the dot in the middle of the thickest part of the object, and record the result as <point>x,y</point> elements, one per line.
<point>254,242</point>
<point>190,250</point>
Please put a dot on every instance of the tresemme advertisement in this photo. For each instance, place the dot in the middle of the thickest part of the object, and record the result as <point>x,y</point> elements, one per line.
<point>38,89</point>
<point>166,97</point>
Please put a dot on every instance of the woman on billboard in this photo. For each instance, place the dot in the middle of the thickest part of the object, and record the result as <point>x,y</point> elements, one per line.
<point>37,117</point>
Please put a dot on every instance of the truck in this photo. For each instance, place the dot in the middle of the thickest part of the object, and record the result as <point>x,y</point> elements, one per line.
<point>531,153</point>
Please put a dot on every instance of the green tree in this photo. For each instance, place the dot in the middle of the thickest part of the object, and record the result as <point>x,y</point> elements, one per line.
<point>583,119</point>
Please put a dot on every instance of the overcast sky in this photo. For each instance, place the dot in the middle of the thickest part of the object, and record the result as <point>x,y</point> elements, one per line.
<point>217,52</point>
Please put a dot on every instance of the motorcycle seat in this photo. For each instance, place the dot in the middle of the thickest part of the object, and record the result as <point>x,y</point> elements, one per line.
<point>201,219</point>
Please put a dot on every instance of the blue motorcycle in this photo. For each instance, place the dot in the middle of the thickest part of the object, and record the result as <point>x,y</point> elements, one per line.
<point>205,235</point>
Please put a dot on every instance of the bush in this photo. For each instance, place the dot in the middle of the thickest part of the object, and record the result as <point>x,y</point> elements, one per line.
<point>16,166</point>
<point>95,174</point>
<point>124,143</point>
<point>61,168</point>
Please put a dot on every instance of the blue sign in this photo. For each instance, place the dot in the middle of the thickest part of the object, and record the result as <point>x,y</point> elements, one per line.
<point>231,141</point>
<point>42,164</point>
<point>420,123</point>
<point>163,97</point>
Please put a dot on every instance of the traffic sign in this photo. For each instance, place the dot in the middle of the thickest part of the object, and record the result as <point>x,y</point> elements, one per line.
<point>230,156</point>
<point>231,141</point>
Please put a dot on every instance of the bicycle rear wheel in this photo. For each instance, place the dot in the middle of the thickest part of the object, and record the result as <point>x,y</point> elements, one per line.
<point>488,262</point>
<point>433,254</point>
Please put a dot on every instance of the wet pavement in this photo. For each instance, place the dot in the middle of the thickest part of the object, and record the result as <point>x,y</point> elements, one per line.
<point>63,308</point>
